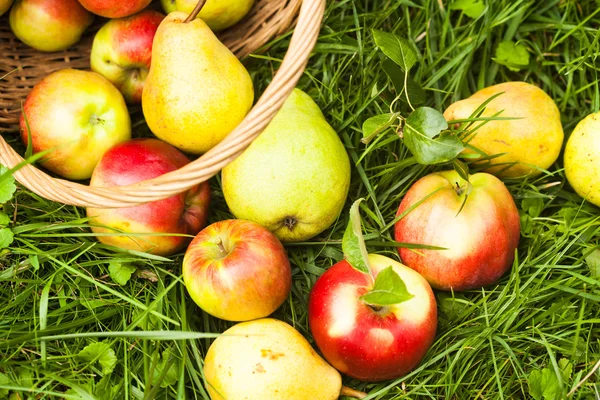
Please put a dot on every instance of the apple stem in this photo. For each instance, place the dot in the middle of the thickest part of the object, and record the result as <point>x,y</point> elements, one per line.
<point>346,391</point>
<point>222,249</point>
<point>195,11</point>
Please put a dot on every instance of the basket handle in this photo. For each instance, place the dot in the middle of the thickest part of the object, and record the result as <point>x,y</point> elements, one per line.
<point>209,164</point>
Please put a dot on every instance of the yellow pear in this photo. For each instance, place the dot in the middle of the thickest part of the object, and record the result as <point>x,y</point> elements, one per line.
<point>218,14</point>
<point>267,359</point>
<point>582,158</point>
<point>530,142</point>
<point>196,91</point>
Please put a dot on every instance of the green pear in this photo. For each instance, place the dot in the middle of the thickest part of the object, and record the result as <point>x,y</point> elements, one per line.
<point>267,359</point>
<point>294,178</point>
<point>218,14</point>
<point>196,91</point>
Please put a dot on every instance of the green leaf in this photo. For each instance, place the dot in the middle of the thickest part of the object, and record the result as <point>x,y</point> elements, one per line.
<point>566,369</point>
<point>377,124</point>
<point>593,262</point>
<point>353,244</point>
<point>119,272</point>
<point>472,8</point>
<point>4,380</point>
<point>388,289</point>
<point>105,389</point>
<point>34,261</point>
<point>398,49</point>
<point>543,385</point>
<point>170,375</point>
<point>512,55</point>
<point>4,219</point>
<point>533,206</point>
<point>6,238</point>
<point>7,185</point>
<point>416,94</point>
<point>461,169</point>
<point>420,131</point>
<point>99,352</point>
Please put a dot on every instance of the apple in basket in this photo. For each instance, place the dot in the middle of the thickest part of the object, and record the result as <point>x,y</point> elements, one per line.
<point>476,223</point>
<point>237,270</point>
<point>122,50</point>
<point>49,25</point>
<point>115,8</point>
<point>76,116</point>
<point>368,337</point>
<point>161,227</point>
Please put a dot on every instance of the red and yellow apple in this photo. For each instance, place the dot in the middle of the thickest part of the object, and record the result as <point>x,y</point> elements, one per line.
<point>115,8</point>
<point>4,6</point>
<point>49,25</point>
<point>161,227</point>
<point>366,342</point>
<point>237,270</point>
<point>77,116</point>
<point>122,50</point>
<point>477,224</point>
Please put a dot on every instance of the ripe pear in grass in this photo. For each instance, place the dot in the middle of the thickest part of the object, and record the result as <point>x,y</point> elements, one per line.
<point>268,359</point>
<point>294,178</point>
<point>582,158</point>
<point>218,14</point>
<point>531,140</point>
<point>196,91</point>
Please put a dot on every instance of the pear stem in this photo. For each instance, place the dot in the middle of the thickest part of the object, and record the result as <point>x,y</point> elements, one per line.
<point>195,11</point>
<point>346,391</point>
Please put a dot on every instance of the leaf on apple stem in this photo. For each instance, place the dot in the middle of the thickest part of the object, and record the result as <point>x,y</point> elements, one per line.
<point>388,289</point>
<point>376,125</point>
<point>398,49</point>
<point>353,243</point>
<point>421,128</point>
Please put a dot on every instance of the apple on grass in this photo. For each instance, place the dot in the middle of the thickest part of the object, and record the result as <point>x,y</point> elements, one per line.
<point>476,222</point>
<point>161,227</point>
<point>237,270</point>
<point>122,51</point>
<point>76,116</point>
<point>115,8</point>
<point>49,25</point>
<point>363,335</point>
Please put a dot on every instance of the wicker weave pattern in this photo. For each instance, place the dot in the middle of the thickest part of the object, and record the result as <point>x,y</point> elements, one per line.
<point>302,42</point>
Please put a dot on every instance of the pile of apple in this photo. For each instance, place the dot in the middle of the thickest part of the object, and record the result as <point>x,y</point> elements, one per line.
<point>371,317</point>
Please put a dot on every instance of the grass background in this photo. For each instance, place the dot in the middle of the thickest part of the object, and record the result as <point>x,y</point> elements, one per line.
<point>54,280</point>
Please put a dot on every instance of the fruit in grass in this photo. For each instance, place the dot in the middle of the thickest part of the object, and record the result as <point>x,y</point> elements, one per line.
<point>582,158</point>
<point>5,5</point>
<point>364,341</point>
<point>78,115</point>
<point>49,25</point>
<point>527,143</point>
<point>477,224</point>
<point>294,178</point>
<point>237,270</point>
<point>115,8</point>
<point>218,14</point>
<point>197,91</point>
<point>183,214</point>
<point>268,359</point>
<point>122,51</point>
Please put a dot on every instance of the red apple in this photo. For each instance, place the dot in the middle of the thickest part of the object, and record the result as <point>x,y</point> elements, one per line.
<point>49,25</point>
<point>122,51</point>
<point>237,270</point>
<point>478,226</point>
<point>367,342</point>
<point>183,214</point>
<point>115,8</point>
<point>78,115</point>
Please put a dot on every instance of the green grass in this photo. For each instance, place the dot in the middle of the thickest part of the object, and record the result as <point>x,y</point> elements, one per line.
<point>56,296</point>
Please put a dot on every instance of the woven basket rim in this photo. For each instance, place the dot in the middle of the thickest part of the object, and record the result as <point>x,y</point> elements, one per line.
<point>302,42</point>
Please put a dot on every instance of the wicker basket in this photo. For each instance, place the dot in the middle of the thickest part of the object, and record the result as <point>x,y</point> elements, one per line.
<point>267,19</point>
